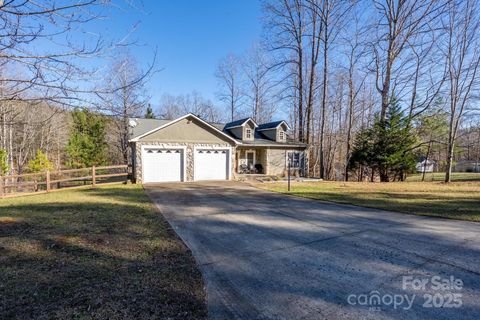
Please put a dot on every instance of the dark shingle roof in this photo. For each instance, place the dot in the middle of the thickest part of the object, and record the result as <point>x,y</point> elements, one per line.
<point>236,123</point>
<point>269,125</point>
<point>145,125</point>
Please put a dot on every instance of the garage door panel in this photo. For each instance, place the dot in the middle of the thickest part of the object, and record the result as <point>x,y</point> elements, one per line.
<point>162,165</point>
<point>211,164</point>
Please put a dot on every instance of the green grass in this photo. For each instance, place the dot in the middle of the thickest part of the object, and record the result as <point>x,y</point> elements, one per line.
<point>440,176</point>
<point>460,200</point>
<point>103,253</point>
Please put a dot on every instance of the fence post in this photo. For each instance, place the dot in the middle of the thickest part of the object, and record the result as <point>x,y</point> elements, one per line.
<point>93,176</point>
<point>48,180</point>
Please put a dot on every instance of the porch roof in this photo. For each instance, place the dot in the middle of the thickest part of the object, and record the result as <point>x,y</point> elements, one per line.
<point>258,142</point>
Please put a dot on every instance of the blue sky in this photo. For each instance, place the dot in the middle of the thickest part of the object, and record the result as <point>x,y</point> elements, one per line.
<point>190,38</point>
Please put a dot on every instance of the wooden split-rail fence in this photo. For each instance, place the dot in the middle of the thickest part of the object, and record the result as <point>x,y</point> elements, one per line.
<point>32,183</point>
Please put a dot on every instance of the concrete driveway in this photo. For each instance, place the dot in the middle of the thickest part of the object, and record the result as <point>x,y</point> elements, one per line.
<point>270,256</point>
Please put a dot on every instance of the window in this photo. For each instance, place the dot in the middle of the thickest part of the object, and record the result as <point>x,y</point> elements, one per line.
<point>248,134</point>
<point>294,159</point>
<point>282,135</point>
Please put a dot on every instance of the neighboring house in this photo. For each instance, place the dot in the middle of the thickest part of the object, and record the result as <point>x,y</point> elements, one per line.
<point>191,149</point>
<point>425,166</point>
<point>467,166</point>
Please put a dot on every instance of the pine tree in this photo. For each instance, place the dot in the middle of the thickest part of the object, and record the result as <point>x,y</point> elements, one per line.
<point>387,147</point>
<point>40,163</point>
<point>149,113</point>
<point>87,144</point>
<point>3,162</point>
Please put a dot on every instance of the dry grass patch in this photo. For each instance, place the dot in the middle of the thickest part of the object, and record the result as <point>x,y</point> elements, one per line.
<point>102,253</point>
<point>460,200</point>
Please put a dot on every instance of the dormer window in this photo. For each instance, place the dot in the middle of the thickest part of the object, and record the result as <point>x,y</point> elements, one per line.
<point>248,133</point>
<point>282,135</point>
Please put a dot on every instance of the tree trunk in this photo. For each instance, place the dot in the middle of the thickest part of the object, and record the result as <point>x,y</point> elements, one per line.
<point>301,135</point>
<point>349,123</point>
<point>324,103</point>
<point>450,148</point>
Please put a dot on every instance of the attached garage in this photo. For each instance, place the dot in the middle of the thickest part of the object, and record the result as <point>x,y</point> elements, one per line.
<point>185,149</point>
<point>211,164</point>
<point>192,149</point>
<point>163,164</point>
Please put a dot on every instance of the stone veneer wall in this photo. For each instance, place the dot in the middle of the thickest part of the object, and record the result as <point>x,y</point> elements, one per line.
<point>188,155</point>
<point>277,161</point>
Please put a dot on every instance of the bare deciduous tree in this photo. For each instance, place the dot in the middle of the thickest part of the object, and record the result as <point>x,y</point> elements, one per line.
<point>125,98</point>
<point>286,25</point>
<point>172,107</point>
<point>399,22</point>
<point>39,59</point>
<point>228,75</point>
<point>354,52</point>
<point>463,60</point>
<point>260,84</point>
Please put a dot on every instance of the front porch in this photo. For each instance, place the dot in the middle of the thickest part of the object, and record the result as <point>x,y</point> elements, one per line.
<point>251,161</point>
<point>268,161</point>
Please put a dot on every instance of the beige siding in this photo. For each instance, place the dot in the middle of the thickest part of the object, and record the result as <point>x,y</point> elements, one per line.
<point>248,125</point>
<point>282,128</point>
<point>186,130</point>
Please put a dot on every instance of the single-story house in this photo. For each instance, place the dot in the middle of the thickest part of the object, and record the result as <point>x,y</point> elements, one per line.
<point>192,149</point>
<point>425,166</point>
<point>467,166</point>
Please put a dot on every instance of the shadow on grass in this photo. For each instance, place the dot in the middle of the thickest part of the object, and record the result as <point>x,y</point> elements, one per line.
<point>111,258</point>
<point>465,208</point>
<point>269,254</point>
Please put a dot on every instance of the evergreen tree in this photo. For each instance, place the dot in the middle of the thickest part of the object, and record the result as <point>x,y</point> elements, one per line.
<point>387,147</point>
<point>87,144</point>
<point>39,163</point>
<point>3,162</point>
<point>149,113</point>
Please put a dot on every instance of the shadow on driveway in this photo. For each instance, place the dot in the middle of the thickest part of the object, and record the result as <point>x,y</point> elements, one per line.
<point>269,256</point>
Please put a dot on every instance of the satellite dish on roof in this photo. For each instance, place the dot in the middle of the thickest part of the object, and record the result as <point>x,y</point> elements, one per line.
<point>132,123</point>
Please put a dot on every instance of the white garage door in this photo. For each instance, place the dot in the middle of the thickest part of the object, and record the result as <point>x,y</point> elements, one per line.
<point>211,164</point>
<point>162,165</point>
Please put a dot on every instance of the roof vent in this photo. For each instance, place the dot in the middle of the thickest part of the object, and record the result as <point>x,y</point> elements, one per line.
<point>132,123</point>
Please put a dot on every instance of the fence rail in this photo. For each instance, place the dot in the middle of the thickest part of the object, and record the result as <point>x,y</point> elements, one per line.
<point>31,183</point>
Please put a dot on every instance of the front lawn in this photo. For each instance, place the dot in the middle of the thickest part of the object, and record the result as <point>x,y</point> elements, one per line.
<point>459,200</point>
<point>440,177</point>
<point>103,253</point>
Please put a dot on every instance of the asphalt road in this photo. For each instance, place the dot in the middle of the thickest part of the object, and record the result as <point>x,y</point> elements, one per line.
<point>270,256</point>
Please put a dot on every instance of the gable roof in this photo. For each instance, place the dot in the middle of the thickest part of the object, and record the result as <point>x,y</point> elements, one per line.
<point>238,123</point>
<point>161,126</point>
<point>145,125</point>
<point>271,125</point>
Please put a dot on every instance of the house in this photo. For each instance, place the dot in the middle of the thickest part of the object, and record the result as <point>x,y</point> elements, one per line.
<point>192,149</point>
<point>467,166</point>
<point>425,166</point>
